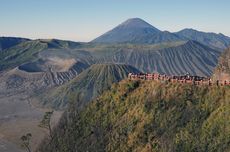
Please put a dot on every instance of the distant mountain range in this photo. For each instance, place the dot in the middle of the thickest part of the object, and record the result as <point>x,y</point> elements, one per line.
<point>138,31</point>
<point>218,41</point>
<point>173,58</point>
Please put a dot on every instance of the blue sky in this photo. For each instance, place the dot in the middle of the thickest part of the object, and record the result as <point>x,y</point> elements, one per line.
<point>84,20</point>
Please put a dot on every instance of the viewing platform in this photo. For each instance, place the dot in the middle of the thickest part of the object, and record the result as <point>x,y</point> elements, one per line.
<point>188,79</point>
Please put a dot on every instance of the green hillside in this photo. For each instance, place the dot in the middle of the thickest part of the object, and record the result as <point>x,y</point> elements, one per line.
<point>19,54</point>
<point>28,51</point>
<point>89,84</point>
<point>7,42</point>
<point>143,116</point>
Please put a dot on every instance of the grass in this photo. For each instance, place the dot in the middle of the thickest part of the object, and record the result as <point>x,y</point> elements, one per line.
<point>20,54</point>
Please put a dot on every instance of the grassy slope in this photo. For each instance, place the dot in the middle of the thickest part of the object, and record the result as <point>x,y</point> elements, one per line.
<point>19,54</point>
<point>148,116</point>
<point>7,42</point>
<point>27,51</point>
<point>89,84</point>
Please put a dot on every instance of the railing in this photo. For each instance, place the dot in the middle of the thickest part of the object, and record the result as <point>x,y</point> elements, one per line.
<point>196,80</point>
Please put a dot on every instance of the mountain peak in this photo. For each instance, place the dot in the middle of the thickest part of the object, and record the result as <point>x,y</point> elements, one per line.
<point>138,23</point>
<point>135,30</point>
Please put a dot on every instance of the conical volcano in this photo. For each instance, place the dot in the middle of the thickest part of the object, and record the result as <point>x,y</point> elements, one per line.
<point>136,30</point>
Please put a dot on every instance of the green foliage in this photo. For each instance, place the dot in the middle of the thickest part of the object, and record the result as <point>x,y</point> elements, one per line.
<point>132,85</point>
<point>149,116</point>
<point>46,122</point>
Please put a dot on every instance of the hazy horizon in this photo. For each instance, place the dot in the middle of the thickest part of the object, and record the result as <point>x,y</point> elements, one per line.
<point>85,20</point>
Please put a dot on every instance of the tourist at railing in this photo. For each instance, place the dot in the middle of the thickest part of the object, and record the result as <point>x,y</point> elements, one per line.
<point>196,80</point>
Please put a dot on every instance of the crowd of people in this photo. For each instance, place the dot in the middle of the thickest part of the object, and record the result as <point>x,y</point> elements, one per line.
<point>187,78</point>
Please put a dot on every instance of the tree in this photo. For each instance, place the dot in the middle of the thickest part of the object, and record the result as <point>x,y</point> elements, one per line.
<point>46,122</point>
<point>26,141</point>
